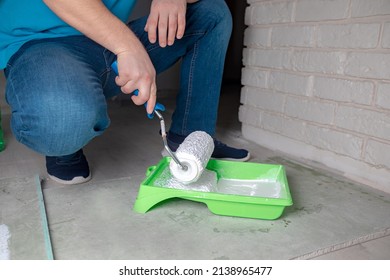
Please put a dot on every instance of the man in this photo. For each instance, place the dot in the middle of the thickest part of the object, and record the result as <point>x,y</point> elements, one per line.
<point>57,56</point>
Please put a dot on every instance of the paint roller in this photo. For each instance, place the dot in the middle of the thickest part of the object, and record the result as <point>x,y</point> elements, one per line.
<point>192,155</point>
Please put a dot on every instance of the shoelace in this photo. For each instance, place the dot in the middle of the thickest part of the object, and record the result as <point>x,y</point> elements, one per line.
<point>219,143</point>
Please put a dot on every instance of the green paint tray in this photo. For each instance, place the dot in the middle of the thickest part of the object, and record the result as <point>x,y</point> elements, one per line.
<point>263,191</point>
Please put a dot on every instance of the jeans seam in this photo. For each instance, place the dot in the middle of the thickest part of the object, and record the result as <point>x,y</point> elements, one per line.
<point>19,135</point>
<point>190,79</point>
<point>107,70</point>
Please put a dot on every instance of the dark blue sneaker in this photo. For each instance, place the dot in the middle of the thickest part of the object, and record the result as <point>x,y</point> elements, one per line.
<point>69,170</point>
<point>221,150</point>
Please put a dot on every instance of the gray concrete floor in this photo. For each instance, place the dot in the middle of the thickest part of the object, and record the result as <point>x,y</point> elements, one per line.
<point>115,156</point>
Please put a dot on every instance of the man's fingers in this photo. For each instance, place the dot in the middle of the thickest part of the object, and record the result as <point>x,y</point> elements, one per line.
<point>146,94</point>
<point>151,27</point>
<point>127,87</point>
<point>181,25</point>
<point>166,22</point>
<point>119,81</point>
<point>172,29</point>
<point>152,99</point>
<point>162,30</point>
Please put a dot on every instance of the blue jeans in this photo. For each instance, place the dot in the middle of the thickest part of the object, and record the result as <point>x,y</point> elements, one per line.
<point>57,88</point>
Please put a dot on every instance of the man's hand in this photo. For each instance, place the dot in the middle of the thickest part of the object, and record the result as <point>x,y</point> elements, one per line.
<point>169,18</point>
<point>92,18</point>
<point>136,71</point>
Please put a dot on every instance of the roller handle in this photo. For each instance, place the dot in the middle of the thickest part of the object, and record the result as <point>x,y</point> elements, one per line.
<point>158,106</point>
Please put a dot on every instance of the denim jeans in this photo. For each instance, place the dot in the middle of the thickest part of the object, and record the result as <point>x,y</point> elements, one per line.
<point>57,88</point>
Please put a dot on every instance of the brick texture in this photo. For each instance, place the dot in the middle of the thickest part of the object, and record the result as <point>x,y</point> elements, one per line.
<point>317,72</point>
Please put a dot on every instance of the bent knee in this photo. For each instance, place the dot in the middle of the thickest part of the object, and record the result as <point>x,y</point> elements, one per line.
<point>55,133</point>
<point>222,11</point>
<point>218,12</point>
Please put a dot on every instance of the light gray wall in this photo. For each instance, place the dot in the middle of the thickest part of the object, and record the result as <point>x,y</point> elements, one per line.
<point>317,83</point>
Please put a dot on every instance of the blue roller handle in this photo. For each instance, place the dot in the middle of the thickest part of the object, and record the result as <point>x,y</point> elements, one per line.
<point>158,106</point>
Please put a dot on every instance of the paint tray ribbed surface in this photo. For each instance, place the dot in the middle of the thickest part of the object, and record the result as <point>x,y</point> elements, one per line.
<point>240,189</point>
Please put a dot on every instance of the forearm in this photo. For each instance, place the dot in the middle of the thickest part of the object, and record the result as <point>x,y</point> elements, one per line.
<point>93,19</point>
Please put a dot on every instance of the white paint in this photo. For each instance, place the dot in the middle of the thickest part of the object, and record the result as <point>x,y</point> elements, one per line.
<point>194,153</point>
<point>259,188</point>
<point>206,183</point>
<point>4,236</point>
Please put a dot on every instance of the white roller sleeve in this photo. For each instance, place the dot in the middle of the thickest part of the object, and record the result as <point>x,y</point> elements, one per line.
<point>195,153</point>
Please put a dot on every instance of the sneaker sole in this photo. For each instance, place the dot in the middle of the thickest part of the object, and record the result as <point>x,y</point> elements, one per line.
<point>236,159</point>
<point>74,181</point>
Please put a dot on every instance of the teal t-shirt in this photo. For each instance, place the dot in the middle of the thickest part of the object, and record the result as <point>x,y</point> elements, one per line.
<point>25,20</point>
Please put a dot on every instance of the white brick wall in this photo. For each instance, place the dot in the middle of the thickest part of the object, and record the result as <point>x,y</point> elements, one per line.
<point>364,8</point>
<point>349,35</point>
<point>316,77</point>
<point>316,10</point>
<point>368,65</point>
<point>386,36</point>
<point>344,90</point>
<point>383,97</point>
